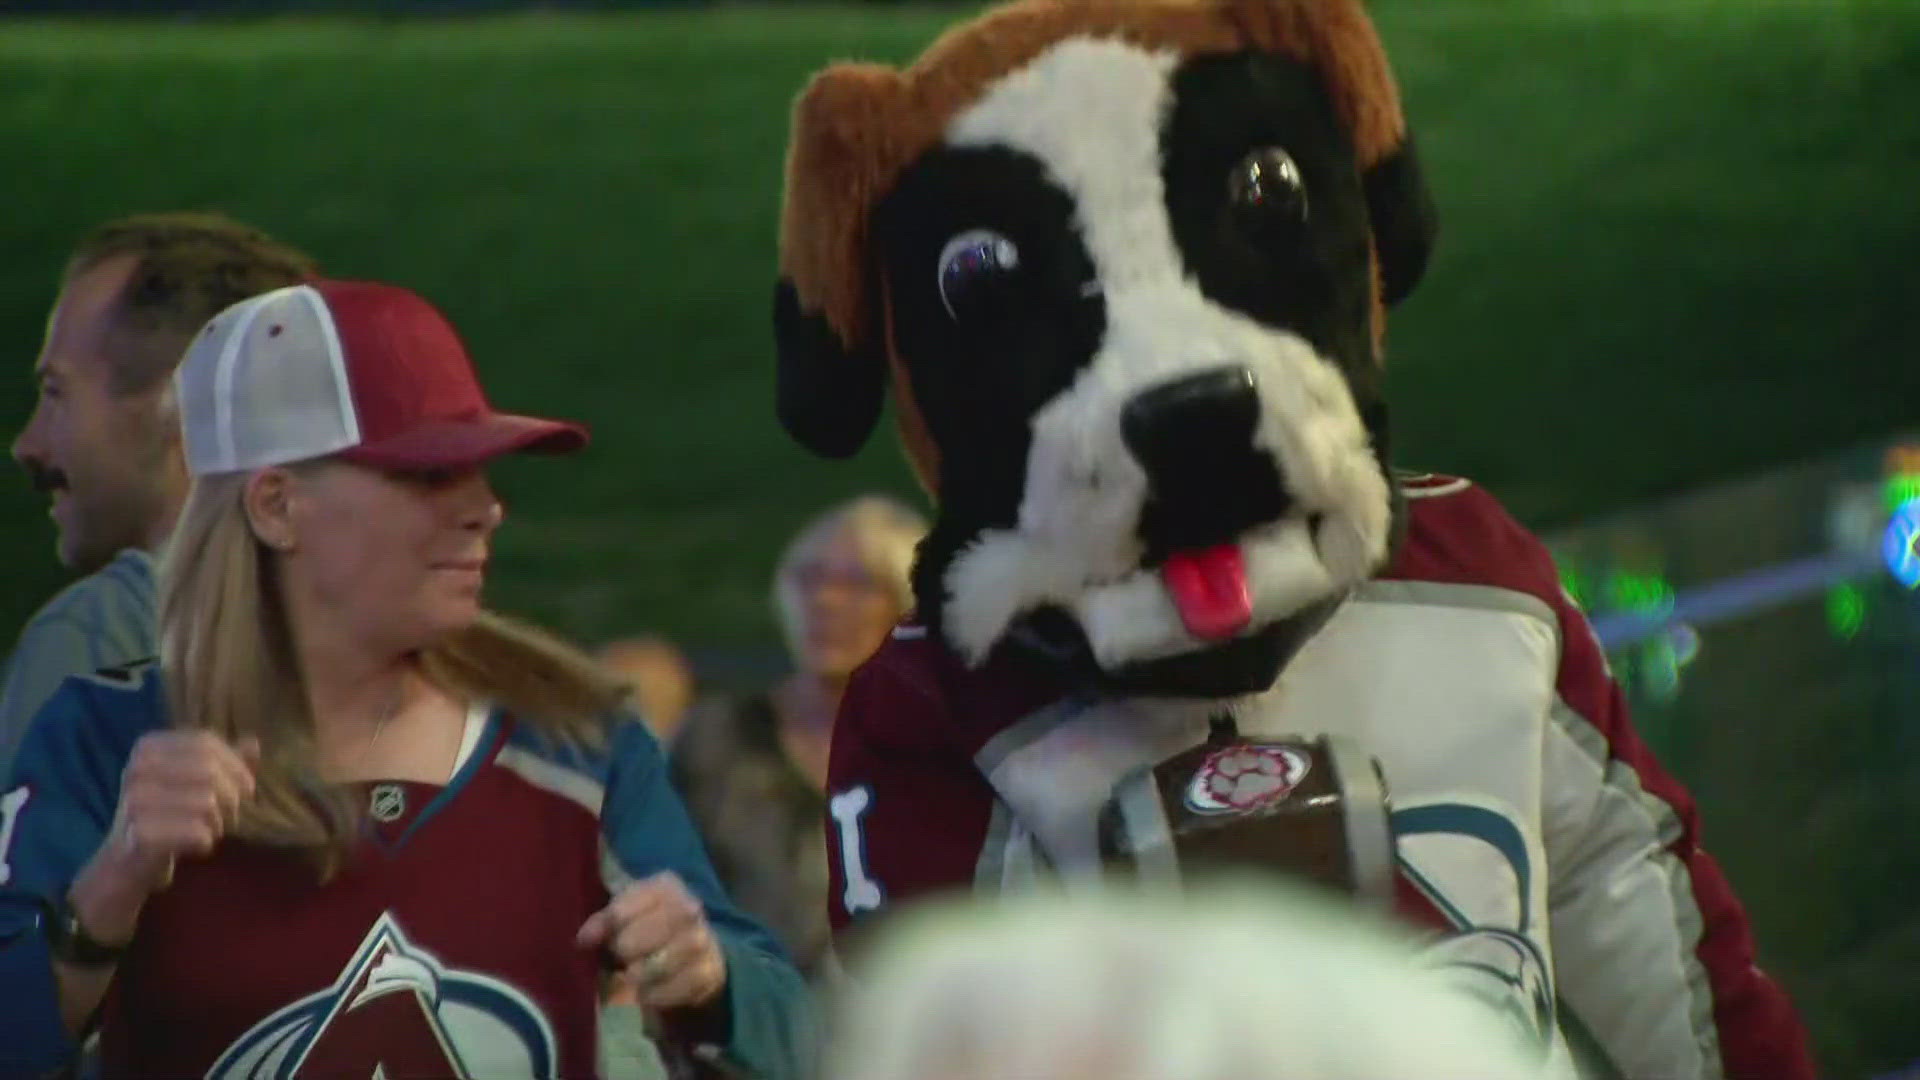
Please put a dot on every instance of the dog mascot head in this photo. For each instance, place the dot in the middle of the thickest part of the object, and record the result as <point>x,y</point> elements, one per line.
<point>1125,264</point>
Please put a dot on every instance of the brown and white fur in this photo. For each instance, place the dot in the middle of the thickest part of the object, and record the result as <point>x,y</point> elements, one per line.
<point>1048,218</point>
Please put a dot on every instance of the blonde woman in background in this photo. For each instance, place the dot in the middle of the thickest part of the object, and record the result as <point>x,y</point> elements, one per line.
<point>754,771</point>
<point>1249,980</point>
<point>351,823</point>
<point>660,678</point>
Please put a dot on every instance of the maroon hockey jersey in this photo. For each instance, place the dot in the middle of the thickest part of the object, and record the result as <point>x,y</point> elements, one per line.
<point>445,947</point>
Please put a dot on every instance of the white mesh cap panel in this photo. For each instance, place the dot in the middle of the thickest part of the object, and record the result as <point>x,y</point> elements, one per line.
<point>264,383</point>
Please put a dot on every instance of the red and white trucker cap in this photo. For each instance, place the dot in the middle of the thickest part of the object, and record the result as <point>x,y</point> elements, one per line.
<point>368,372</point>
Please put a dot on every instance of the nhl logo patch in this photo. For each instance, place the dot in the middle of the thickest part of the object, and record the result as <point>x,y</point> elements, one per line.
<point>1245,777</point>
<point>387,802</point>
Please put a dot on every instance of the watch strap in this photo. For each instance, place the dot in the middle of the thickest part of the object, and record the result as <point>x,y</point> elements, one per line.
<point>69,941</point>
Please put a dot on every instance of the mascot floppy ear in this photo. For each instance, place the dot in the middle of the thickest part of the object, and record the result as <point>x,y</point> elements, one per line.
<point>1405,220</point>
<point>827,319</point>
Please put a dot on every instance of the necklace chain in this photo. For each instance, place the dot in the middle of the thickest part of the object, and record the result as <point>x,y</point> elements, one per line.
<point>392,710</point>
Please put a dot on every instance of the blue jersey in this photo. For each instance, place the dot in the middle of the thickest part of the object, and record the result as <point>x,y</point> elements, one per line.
<point>443,948</point>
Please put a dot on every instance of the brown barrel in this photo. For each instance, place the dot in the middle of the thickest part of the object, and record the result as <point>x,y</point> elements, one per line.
<point>1315,809</point>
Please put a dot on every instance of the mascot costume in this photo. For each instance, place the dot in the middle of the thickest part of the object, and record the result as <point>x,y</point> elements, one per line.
<point>1126,266</point>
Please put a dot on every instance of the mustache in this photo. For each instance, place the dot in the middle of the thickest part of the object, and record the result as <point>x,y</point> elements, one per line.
<point>44,478</point>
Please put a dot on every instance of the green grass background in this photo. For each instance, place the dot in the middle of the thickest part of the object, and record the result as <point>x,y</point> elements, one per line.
<point>1678,246</point>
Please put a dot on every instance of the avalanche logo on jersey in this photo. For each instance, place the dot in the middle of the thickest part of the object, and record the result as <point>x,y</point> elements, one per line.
<point>1466,871</point>
<point>396,1011</point>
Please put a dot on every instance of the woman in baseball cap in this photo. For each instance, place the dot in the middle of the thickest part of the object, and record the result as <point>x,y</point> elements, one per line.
<point>344,778</point>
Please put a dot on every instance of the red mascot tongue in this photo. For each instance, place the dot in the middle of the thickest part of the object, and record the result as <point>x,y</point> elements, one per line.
<point>1209,586</point>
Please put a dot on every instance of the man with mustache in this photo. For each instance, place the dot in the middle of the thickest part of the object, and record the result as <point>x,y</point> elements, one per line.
<point>103,439</point>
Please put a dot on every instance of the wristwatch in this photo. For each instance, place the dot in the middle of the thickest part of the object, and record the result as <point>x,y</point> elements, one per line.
<point>69,941</point>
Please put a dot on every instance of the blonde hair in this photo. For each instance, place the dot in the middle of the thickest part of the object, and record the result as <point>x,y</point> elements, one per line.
<point>229,667</point>
<point>884,531</point>
<point>657,672</point>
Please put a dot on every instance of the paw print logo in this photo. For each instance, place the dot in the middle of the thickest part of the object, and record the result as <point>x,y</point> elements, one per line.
<point>1240,779</point>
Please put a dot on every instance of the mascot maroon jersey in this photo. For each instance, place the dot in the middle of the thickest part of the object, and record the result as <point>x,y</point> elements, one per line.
<point>1523,800</point>
<point>444,948</point>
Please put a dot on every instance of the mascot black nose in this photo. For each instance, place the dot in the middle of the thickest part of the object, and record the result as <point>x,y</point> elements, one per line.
<point>1206,480</point>
<point>1194,424</point>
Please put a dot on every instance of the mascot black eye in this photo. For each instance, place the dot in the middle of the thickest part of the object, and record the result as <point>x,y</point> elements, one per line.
<point>974,266</point>
<point>1268,190</point>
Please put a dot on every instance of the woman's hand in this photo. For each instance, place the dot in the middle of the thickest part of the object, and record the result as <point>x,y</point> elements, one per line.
<point>181,792</point>
<point>657,931</point>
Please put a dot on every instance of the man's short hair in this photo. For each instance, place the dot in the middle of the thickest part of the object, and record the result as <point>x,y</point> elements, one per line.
<point>189,267</point>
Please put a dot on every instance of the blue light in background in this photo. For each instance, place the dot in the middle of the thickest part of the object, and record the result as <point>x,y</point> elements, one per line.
<point>1903,533</point>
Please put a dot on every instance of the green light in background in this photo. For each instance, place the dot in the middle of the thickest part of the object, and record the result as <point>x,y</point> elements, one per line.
<point>1846,611</point>
<point>1624,666</point>
<point>1575,584</point>
<point>1648,594</point>
<point>1660,669</point>
<point>1902,488</point>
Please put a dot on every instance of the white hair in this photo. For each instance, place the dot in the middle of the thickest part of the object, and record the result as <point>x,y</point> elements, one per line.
<point>884,531</point>
<point>1240,984</point>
